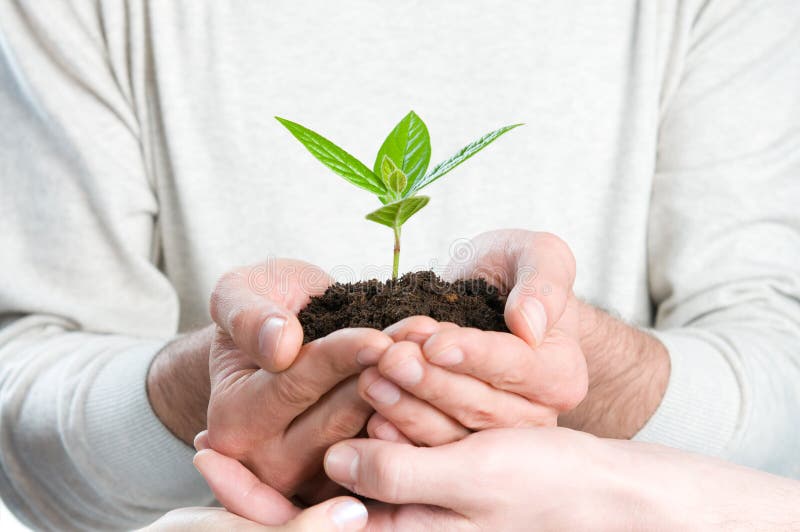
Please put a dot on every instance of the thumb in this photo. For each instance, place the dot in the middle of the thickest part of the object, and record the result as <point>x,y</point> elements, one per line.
<point>256,307</point>
<point>536,269</point>
<point>241,492</point>
<point>399,473</point>
<point>543,272</point>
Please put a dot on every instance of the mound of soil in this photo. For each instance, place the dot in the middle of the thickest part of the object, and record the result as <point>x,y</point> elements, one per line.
<point>376,304</point>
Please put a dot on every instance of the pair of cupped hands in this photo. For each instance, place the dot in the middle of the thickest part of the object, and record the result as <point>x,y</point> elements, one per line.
<point>283,417</point>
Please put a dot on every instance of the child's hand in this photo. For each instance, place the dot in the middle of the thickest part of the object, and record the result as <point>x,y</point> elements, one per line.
<point>477,380</point>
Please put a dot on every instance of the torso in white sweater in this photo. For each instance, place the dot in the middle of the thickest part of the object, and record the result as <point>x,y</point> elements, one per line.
<point>140,160</point>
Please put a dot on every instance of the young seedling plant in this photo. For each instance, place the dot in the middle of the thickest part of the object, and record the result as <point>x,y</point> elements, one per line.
<point>399,171</point>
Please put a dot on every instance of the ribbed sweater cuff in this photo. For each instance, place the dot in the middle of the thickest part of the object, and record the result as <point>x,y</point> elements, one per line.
<point>702,406</point>
<point>130,443</point>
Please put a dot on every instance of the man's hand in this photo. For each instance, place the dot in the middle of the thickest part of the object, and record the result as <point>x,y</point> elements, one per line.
<point>279,424</point>
<point>439,381</point>
<point>477,380</point>
<point>277,421</point>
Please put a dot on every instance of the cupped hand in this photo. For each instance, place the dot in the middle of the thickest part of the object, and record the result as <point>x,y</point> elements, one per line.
<point>276,405</point>
<point>438,381</point>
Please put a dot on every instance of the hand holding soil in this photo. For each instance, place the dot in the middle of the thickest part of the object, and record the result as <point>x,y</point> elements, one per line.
<point>284,386</point>
<point>439,381</point>
<point>280,424</point>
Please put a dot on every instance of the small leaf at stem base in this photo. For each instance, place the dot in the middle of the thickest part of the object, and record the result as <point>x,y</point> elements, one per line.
<point>397,213</point>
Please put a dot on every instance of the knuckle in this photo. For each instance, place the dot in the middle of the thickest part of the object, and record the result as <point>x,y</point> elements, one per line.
<point>511,378</point>
<point>343,424</point>
<point>389,474</point>
<point>478,418</point>
<point>292,391</point>
<point>407,423</point>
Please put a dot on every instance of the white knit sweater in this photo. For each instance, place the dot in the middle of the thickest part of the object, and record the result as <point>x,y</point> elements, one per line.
<point>139,160</point>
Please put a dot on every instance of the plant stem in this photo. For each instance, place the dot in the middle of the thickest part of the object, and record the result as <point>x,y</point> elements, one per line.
<point>396,264</point>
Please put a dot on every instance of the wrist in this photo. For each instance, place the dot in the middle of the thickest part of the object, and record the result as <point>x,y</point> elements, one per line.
<point>178,384</point>
<point>645,488</point>
<point>628,374</point>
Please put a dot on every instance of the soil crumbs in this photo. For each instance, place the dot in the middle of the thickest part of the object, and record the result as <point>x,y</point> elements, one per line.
<point>376,304</point>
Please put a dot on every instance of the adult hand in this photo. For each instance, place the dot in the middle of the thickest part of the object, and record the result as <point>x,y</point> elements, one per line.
<point>557,479</point>
<point>243,491</point>
<point>477,380</point>
<point>280,421</point>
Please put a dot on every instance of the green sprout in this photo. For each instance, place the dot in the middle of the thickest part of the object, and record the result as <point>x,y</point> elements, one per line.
<point>399,169</point>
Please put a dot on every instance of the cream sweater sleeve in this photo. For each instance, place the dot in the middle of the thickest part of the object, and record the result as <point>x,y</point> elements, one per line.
<point>724,238</point>
<point>83,306</point>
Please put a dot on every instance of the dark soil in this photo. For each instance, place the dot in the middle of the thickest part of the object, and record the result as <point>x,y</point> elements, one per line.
<point>376,304</point>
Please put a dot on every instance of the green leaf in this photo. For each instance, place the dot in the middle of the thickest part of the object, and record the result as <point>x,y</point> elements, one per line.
<point>408,146</point>
<point>387,167</point>
<point>336,158</point>
<point>397,213</point>
<point>466,152</point>
<point>397,181</point>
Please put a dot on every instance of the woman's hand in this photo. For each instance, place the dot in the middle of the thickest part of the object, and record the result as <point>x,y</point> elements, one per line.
<point>558,479</point>
<point>476,380</point>
<point>263,507</point>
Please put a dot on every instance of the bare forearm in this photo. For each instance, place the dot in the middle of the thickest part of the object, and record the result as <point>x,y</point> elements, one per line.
<point>628,375</point>
<point>178,383</point>
<point>666,489</point>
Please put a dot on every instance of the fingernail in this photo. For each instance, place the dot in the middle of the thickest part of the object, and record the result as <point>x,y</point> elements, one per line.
<point>449,357</point>
<point>269,338</point>
<point>535,316</point>
<point>406,373</point>
<point>391,329</point>
<point>349,516</point>
<point>369,356</point>
<point>341,464</point>
<point>384,392</point>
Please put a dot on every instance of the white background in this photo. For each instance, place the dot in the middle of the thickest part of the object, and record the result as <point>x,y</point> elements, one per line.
<point>8,523</point>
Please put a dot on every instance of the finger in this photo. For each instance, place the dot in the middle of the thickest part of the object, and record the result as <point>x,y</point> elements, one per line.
<point>380,428</point>
<point>537,269</point>
<point>417,517</point>
<point>201,441</point>
<point>320,366</point>
<point>402,474</point>
<point>340,415</point>
<point>544,272</point>
<point>413,418</point>
<point>342,514</point>
<point>241,492</point>
<point>261,318</point>
<point>473,403</point>
<point>203,520</point>
<point>277,399</point>
<point>416,329</point>
<point>554,374</point>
